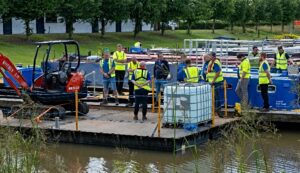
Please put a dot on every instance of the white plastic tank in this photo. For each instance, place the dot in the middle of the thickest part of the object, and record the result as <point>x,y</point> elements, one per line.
<point>187,103</point>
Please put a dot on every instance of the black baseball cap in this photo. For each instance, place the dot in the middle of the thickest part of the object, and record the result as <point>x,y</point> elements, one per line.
<point>213,54</point>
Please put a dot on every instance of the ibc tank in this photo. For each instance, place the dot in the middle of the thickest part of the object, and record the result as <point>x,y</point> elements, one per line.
<point>187,103</point>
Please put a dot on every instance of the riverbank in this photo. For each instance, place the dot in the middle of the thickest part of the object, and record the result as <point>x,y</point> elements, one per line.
<point>20,50</point>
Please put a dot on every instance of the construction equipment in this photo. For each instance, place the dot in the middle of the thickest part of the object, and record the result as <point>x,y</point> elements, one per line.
<point>53,93</point>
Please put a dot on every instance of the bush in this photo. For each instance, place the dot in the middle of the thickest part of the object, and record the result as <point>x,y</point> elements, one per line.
<point>203,25</point>
<point>286,36</point>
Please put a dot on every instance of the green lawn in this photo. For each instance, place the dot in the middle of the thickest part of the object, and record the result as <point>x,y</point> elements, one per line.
<point>19,50</point>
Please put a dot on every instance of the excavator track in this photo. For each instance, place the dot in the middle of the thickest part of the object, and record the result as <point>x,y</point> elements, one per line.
<point>28,111</point>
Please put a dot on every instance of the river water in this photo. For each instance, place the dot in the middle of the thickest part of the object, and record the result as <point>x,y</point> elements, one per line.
<point>282,155</point>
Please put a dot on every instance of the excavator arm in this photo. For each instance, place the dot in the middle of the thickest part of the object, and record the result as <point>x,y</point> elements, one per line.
<point>7,65</point>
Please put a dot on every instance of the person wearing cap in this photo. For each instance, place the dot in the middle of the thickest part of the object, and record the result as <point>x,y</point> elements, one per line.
<point>121,61</point>
<point>161,71</point>
<point>132,65</point>
<point>244,77</point>
<point>107,69</point>
<point>180,68</point>
<point>264,80</point>
<point>253,57</point>
<point>191,73</point>
<point>141,79</point>
<point>214,76</point>
<point>281,60</point>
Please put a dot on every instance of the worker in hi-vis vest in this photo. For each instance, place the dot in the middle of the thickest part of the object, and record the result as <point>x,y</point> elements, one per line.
<point>141,80</point>
<point>244,78</point>
<point>281,60</point>
<point>253,57</point>
<point>138,44</point>
<point>264,80</point>
<point>191,73</point>
<point>214,76</point>
<point>121,61</point>
<point>107,69</point>
<point>132,66</point>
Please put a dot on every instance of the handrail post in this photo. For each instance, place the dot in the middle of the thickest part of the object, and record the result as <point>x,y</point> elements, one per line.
<point>159,115</point>
<point>225,98</point>
<point>76,109</point>
<point>153,104</point>
<point>213,105</point>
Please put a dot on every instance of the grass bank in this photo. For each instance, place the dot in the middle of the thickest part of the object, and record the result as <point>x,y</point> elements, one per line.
<point>21,50</point>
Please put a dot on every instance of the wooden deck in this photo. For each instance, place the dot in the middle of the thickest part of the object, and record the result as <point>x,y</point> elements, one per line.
<point>113,127</point>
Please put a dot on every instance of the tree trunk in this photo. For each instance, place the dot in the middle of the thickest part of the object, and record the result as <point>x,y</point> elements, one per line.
<point>189,27</point>
<point>137,27</point>
<point>282,27</point>
<point>213,25</point>
<point>102,27</point>
<point>95,26</point>
<point>271,27</point>
<point>231,26</point>
<point>256,26</point>
<point>244,27</point>
<point>163,28</point>
<point>27,29</point>
<point>69,28</point>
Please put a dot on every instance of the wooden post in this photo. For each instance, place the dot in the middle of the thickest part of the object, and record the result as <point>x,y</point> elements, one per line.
<point>153,101</point>
<point>76,109</point>
<point>159,116</point>
<point>213,105</point>
<point>225,98</point>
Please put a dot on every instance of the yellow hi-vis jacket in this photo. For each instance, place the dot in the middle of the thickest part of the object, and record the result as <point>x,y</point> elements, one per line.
<point>137,44</point>
<point>191,74</point>
<point>120,56</point>
<point>262,75</point>
<point>281,61</point>
<point>132,66</point>
<point>140,76</point>
<point>211,73</point>
<point>110,63</point>
<point>245,67</point>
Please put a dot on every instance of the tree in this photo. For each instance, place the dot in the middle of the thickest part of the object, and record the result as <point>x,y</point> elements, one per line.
<point>193,10</point>
<point>272,12</point>
<point>27,10</point>
<point>288,12</point>
<point>244,11</point>
<point>219,10</point>
<point>140,12</point>
<point>232,15</point>
<point>107,11</point>
<point>259,8</point>
<point>73,11</point>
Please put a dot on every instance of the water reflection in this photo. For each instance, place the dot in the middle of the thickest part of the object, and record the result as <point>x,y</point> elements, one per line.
<point>282,155</point>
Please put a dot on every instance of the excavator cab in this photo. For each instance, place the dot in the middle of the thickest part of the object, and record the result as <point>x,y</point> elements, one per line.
<point>53,91</point>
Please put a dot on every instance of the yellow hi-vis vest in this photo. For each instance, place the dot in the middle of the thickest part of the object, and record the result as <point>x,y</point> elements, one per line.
<point>254,59</point>
<point>137,44</point>
<point>191,74</point>
<point>211,74</point>
<point>262,75</point>
<point>132,66</point>
<point>141,78</point>
<point>120,56</point>
<point>281,61</point>
<point>245,67</point>
<point>110,63</point>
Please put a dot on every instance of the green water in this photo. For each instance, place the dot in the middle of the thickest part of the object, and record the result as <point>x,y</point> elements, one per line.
<point>282,153</point>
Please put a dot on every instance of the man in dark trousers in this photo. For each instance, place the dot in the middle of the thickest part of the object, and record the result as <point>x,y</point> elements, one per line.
<point>132,66</point>
<point>141,79</point>
<point>121,61</point>
<point>264,79</point>
<point>161,71</point>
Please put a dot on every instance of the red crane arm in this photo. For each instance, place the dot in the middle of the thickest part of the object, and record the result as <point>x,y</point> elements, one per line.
<point>6,64</point>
